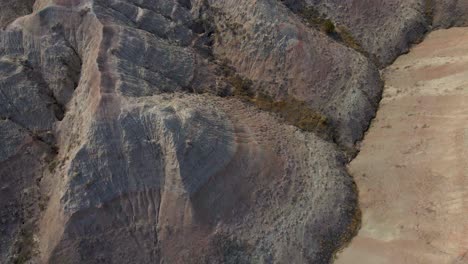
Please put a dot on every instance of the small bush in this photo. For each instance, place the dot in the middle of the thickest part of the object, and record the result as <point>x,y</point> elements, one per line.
<point>314,19</point>
<point>242,86</point>
<point>327,26</point>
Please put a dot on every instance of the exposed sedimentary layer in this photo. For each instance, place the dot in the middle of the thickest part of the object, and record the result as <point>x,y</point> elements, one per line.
<point>384,29</point>
<point>131,166</point>
<point>157,131</point>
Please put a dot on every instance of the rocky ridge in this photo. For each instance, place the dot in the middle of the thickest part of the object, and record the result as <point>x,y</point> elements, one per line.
<point>124,136</point>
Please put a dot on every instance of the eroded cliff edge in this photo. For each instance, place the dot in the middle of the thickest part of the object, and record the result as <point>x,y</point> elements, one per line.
<point>159,130</point>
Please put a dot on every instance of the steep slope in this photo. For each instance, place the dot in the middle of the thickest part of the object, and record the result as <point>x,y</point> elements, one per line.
<point>177,131</point>
<point>271,46</point>
<point>384,29</point>
<point>133,168</point>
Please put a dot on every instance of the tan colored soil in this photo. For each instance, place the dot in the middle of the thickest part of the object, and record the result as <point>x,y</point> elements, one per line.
<point>412,171</point>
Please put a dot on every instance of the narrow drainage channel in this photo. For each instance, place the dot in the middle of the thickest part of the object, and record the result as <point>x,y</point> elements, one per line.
<point>412,171</point>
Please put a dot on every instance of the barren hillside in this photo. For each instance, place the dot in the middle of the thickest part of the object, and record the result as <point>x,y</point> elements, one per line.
<point>191,131</point>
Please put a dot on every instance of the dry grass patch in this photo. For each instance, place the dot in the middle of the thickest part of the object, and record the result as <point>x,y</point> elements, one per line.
<point>314,19</point>
<point>294,112</point>
<point>429,7</point>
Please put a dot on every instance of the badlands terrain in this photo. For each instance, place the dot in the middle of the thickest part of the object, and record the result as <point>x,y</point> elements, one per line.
<point>412,171</point>
<point>222,131</point>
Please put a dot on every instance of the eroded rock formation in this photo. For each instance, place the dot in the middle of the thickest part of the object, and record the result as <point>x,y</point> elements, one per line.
<point>130,132</point>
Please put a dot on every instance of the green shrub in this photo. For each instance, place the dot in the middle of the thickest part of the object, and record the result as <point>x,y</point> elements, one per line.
<point>327,26</point>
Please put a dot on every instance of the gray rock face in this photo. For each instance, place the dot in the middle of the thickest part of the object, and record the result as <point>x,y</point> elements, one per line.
<point>12,9</point>
<point>133,170</point>
<point>450,13</point>
<point>182,168</point>
<point>386,29</point>
<point>119,143</point>
<point>285,58</point>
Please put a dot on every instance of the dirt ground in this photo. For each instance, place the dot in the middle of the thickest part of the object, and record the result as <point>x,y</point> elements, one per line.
<point>412,171</point>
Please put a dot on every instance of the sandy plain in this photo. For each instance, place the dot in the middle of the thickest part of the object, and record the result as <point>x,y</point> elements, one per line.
<point>412,171</point>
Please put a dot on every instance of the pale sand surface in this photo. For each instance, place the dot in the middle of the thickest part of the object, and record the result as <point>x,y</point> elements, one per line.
<point>412,171</point>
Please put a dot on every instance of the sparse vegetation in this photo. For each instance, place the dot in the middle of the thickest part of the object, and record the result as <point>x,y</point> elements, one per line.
<point>223,248</point>
<point>294,112</point>
<point>52,165</point>
<point>310,15</point>
<point>231,250</point>
<point>349,40</point>
<point>24,246</point>
<point>233,27</point>
<point>291,110</point>
<point>242,86</point>
<point>314,19</point>
<point>328,26</point>
<point>429,6</point>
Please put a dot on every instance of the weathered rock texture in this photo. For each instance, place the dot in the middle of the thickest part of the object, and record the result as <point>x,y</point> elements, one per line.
<point>450,13</point>
<point>386,28</point>
<point>284,57</point>
<point>99,126</point>
<point>12,9</point>
<point>128,132</point>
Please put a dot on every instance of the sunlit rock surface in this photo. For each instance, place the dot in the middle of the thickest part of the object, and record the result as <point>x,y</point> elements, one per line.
<point>411,172</point>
